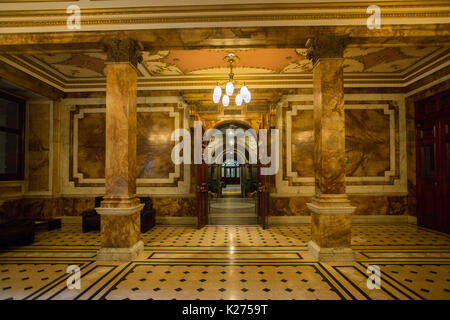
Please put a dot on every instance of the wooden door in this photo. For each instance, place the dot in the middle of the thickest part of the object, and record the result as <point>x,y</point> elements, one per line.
<point>263,193</point>
<point>201,171</point>
<point>202,194</point>
<point>444,134</point>
<point>263,199</point>
<point>231,175</point>
<point>428,202</point>
<point>433,162</point>
<point>445,125</point>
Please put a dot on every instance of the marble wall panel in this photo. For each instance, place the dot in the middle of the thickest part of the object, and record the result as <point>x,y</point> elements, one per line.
<point>81,204</point>
<point>10,190</point>
<point>38,146</point>
<point>76,206</point>
<point>292,206</point>
<point>10,209</point>
<point>32,208</point>
<point>91,145</point>
<point>180,207</point>
<point>375,144</point>
<point>379,205</point>
<point>175,207</point>
<point>154,146</point>
<point>367,140</point>
<point>365,205</point>
<point>42,208</point>
<point>302,139</point>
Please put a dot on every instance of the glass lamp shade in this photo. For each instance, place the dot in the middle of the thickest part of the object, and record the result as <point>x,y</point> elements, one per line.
<point>247,97</point>
<point>217,94</point>
<point>216,98</point>
<point>238,100</point>
<point>229,88</point>
<point>245,93</point>
<point>244,89</point>
<point>225,100</point>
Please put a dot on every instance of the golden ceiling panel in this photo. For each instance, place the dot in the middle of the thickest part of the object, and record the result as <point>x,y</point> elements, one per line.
<point>254,64</point>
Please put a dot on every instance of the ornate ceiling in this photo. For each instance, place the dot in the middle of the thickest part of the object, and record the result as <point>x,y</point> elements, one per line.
<point>81,70</point>
<point>252,61</point>
<point>184,42</point>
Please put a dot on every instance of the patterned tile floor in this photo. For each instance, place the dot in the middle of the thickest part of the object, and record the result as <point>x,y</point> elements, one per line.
<point>231,262</point>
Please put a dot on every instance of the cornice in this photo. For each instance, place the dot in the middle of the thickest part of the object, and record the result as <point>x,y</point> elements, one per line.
<point>316,14</point>
<point>98,7</point>
<point>118,20</point>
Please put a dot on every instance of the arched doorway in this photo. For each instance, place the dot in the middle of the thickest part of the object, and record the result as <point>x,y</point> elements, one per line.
<point>235,166</point>
<point>233,179</point>
<point>230,178</point>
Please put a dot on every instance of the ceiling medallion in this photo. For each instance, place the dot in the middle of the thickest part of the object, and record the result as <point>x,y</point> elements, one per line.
<point>244,94</point>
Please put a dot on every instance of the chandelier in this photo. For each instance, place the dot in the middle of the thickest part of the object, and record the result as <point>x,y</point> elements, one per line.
<point>244,94</point>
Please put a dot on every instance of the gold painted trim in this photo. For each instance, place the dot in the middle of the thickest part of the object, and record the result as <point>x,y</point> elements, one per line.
<point>62,21</point>
<point>229,7</point>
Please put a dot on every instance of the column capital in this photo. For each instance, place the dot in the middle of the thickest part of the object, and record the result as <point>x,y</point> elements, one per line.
<point>123,50</point>
<point>326,47</point>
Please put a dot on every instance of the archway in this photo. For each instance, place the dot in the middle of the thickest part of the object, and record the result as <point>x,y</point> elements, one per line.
<point>233,177</point>
<point>235,164</point>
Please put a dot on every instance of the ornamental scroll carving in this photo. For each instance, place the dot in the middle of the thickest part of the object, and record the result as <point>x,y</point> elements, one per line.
<point>125,50</point>
<point>326,47</point>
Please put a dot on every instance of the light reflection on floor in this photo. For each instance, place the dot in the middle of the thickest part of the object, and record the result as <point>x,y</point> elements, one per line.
<point>231,262</point>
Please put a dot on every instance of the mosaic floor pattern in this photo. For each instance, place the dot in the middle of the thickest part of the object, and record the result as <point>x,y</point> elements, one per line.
<point>231,262</point>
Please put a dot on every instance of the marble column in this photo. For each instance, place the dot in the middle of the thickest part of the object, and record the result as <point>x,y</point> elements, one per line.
<point>330,209</point>
<point>120,208</point>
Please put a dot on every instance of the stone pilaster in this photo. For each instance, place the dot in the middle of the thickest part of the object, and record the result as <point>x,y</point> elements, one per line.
<point>330,208</point>
<point>120,209</point>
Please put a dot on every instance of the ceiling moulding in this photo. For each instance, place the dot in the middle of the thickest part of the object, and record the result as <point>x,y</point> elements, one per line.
<point>39,41</point>
<point>99,15</point>
<point>259,68</point>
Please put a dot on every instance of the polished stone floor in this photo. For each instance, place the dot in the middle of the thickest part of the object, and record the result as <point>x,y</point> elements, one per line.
<point>231,262</point>
<point>231,190</point>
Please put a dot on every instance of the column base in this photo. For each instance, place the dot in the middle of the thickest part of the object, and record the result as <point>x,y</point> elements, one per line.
<point>330,204</point>
<point>120,233</point>
<point>331,227</point>
<point>120,254</point>
<point>330,254</point>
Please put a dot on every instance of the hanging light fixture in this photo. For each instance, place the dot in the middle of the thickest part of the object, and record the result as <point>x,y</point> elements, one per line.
<point>229,88</point>
<point>244,94</point>
<point>225,100</point>
<point>243,90</point>
<point>248,97</point>
<point>217,94</point>
<point>238,100</point>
